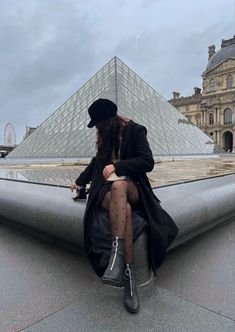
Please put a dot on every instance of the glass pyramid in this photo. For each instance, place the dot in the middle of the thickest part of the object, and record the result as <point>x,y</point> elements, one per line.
<point>65,134</point>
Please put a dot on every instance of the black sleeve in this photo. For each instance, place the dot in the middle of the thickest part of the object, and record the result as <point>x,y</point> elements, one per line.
<point>142,160</point>
<point>86,175</point>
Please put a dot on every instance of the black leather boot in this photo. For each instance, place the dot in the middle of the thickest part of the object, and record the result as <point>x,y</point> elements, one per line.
<point>131,299</point>
<point>114,272</point>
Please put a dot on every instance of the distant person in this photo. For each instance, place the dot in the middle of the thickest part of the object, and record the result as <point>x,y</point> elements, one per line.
<point>119,189</point>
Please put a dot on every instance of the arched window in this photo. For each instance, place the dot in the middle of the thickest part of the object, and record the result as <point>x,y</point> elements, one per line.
<point>212,85</point>
<point>229,81</point>
<point>227,116</point>
<point>228,141</point>
<point>211,118</point>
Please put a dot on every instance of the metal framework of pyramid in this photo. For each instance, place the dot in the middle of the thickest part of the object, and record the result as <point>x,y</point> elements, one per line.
<point>65,134</point>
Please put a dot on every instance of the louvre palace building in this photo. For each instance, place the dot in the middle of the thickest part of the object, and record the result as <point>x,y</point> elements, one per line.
<point>213,108</point>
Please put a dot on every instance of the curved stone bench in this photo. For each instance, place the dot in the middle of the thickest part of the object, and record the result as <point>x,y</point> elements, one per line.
<point>50,213</point>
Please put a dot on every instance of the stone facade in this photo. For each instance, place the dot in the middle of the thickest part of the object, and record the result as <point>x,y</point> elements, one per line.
<point>213,108</point>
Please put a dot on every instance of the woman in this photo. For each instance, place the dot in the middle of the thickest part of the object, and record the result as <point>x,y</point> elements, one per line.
<point>121,203</point>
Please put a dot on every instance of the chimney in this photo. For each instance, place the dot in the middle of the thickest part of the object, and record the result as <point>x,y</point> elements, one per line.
<point>211,51</point>
<point>197,91</point>
<point>227,42</point>
<point>176,95</point>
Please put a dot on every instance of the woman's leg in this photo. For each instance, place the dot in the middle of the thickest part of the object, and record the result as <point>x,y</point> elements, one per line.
<point>118,202</point>
<point>128,236</point>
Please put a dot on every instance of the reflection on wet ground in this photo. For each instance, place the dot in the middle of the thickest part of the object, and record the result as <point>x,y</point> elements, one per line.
<point>164,172</point>
<point>187,170</point>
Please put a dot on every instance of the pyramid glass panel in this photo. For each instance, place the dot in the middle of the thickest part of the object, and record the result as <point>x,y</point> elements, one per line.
<point>65,133</point>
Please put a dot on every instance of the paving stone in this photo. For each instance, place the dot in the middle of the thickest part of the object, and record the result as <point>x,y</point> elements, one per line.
<point>203,270</point>
<point>160,311</point>
<point>47,289</point>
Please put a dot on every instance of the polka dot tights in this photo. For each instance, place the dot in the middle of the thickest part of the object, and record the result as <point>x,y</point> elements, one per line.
<point>118,202</point>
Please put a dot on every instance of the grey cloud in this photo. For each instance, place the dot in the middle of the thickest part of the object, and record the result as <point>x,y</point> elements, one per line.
<point>41,64</point>
<point>170,61</point>
<point>50,48</point>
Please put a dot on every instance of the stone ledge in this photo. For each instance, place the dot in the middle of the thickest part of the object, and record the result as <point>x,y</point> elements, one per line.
<point>49,212</point>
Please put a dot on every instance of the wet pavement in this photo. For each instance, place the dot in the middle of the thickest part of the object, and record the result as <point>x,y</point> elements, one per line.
<point>47,289</point>
<point>166,171</point>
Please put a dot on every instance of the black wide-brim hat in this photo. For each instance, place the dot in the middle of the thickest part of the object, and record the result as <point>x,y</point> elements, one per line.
<point>101,109</point>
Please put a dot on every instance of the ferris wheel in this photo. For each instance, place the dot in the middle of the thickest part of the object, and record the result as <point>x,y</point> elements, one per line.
<point>9,135</point>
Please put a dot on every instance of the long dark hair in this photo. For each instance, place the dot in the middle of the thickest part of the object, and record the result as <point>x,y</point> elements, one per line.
<point>108,137</point>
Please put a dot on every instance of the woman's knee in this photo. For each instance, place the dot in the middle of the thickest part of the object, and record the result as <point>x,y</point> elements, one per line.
<point>118,187</point>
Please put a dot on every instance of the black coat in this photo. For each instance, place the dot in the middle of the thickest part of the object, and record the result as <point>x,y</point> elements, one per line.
<point>135,160</point>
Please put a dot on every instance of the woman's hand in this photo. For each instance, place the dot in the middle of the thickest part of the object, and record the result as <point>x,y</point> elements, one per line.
<point>109,169</point>
<point>74,186</point>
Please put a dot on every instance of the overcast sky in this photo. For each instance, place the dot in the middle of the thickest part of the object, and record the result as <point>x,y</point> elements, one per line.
<point>50,48</point>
